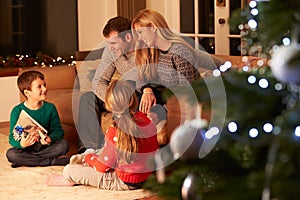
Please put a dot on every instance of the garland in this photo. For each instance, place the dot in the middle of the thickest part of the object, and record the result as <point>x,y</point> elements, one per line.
<point>39,59</point>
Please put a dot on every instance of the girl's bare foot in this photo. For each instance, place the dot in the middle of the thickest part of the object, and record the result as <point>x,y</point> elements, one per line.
<point>58,180</point>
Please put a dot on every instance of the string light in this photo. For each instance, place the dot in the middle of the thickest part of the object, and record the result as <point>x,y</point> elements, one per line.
<point>297,131</point>
<point>286,41</point>
<point>253,132</point>
<point>232,127</point>
<point>268,127</point>
<point>252,4</point>
<point>251,79</point>
<point>252,24</point>
<point>213,131</point>
<point>263,83</point>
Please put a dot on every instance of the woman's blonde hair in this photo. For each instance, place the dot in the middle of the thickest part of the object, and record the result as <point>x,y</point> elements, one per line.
<point>121,100</point>
<point>147,58</point>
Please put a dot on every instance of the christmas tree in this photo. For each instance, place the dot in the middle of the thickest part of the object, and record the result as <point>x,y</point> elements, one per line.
<point>257,153</point>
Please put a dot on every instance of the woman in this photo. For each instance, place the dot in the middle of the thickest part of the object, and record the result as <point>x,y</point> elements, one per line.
<point>163,57</point>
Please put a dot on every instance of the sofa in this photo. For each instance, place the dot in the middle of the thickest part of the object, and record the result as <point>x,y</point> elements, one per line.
<point>66,84</point>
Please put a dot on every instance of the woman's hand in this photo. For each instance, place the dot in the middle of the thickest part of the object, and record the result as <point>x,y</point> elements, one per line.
<point>148,99</point>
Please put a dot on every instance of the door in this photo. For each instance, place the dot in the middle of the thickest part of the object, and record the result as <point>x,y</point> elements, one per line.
<point>206,23</point>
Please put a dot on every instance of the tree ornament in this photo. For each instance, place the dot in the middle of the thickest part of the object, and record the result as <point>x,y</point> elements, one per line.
<point>285,63</point>
<point>189,190</point>
<point>187,139</point>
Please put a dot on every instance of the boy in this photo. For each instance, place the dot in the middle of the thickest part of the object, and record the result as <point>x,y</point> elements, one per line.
<point>29,148</point>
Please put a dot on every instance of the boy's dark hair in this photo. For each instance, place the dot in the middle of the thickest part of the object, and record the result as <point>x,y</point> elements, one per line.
<point>119,24</point>
<point>26,78</point>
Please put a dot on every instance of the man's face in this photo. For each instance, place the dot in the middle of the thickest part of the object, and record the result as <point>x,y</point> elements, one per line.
<point>116,44</point>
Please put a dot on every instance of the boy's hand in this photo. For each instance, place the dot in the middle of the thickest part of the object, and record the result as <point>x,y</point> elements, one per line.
<point>45,141</point>
<point>29,140</point>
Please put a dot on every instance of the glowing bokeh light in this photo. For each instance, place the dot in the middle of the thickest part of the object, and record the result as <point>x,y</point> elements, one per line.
<point>253,132</point>
<point>286,41</point>
<point>251,79</point>
<point>252,24</point>
<point>263,83</point>
<point>232,127</point>
<point>252,4</point>
<point>297,131</point>
<point>254,12</point>
<point>216,73</point>
<point>268,127</point>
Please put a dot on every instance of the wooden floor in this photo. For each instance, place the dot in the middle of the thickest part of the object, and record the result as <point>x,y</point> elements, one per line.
<point>4,127</point>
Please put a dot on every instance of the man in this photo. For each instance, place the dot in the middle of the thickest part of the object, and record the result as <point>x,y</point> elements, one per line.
<point>117,55</point>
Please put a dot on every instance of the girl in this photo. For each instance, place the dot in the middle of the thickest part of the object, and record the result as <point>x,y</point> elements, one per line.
<point>129,144</point>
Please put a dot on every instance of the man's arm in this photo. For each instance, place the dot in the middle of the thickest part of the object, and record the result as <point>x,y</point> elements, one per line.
<point>99,83</point>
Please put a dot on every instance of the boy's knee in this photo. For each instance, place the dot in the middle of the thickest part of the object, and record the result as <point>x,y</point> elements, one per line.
<point>11,155</point>
<point>62,145</point>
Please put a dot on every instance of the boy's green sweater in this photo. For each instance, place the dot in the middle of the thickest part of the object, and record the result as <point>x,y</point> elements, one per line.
<point>46,116</point>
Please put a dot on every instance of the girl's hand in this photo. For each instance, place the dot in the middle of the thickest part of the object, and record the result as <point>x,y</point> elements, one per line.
<point>153,117</point>
<point>147,101</point>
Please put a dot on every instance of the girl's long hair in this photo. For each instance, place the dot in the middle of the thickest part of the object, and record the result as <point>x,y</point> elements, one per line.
<point>147,58</point>
<point>122,102</point>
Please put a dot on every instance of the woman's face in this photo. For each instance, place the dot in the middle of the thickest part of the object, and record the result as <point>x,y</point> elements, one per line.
<point>146,34</point>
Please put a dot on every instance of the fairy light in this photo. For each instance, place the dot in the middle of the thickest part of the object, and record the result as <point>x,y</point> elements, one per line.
<point>253,132</point>
<point>213,131</point>
<point>252,24</point>
<point>254,11</point>
<point>268,127</point>
<point>216,73</point>
<point>263,83</point>
<point>245,68</point>
<point>232,127</point>
<point>286,41</point>
<point>278,86</point>
<point>297,131</point>
<point>260,63</point>
<point>251,79</point>
<point>252,4</point>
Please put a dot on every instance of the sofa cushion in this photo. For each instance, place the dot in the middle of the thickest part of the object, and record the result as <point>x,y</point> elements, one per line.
<point>86,71</point>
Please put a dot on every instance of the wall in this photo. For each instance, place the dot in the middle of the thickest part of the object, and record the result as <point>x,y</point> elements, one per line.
<point>93,15</point>
<point>9,96</point>
<point>169,9</point>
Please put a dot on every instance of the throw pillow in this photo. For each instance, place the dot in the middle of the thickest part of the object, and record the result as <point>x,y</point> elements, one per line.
<point>86,71</point>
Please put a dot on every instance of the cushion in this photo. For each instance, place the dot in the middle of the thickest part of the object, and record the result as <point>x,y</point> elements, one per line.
<point>86,70</point>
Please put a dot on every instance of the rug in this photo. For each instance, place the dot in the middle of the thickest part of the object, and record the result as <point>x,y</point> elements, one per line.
<point>30,183</point>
